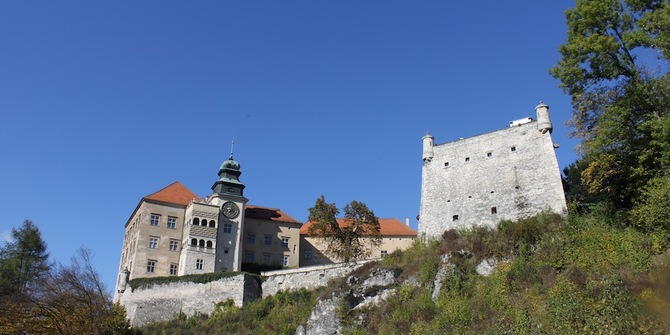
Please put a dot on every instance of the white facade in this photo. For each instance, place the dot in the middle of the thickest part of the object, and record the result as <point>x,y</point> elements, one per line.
<point>507,174</point>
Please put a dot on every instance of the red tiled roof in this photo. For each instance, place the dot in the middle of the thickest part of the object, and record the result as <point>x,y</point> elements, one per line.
<point>387,227</point>
<point>175,193</point>
<point>266,213</point>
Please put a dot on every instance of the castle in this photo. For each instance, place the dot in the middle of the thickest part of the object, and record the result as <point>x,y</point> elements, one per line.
<point>507,174</point>
<point>173,232</point>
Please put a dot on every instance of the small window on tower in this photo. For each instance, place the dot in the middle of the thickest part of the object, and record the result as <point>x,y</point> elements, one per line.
<point>494,210</point>
<point>513,149</point>
<point>227,228</point>
<point>446,164</point>
<point>467,159</point>
<point>454,218</point>
<point>489,154</point>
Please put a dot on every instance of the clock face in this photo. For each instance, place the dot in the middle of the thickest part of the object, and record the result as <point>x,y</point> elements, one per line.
<point>230,210</point>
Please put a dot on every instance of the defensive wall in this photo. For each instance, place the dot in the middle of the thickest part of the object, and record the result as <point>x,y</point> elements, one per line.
<point>162,302</point>
<point>305,277</point>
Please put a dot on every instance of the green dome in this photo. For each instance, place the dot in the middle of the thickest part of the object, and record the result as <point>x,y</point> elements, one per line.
<point>230,164</point>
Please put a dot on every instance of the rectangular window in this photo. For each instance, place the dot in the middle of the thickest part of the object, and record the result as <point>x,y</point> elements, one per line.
<point>174,245</point>
<point>251,238</point>
<point>446,164</point>
<point>153,242</point>
<point>172,222</point>
<point>226,250</point>
<point>173,269</point>
<point>454,218</point>
<point>249,256</point>
<point>199,264</point>
<point>267,240</point>
<point>151,265</point>
<point>308,253</point>
<point>227,228</point>
<point>284,242</point>
<point>267,259</point>
<point>155,219</point>
<point>467,159</point>
<point>489,154</point>
<point>513,149</point>
<point>494,210</point>
<point>284,261</point>
<point>384,253</point>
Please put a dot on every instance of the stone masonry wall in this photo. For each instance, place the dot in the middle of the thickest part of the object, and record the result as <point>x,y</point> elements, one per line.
<point>507,174</point>
<point>166,301</point>
<point>307,277</point>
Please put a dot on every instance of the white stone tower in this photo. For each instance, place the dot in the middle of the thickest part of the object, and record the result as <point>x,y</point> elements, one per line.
<point>508,174</point>
<point>428,142</point>
<point>543,121</point>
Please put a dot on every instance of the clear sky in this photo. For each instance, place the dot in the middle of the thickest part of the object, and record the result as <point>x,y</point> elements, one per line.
<point>104,102</point>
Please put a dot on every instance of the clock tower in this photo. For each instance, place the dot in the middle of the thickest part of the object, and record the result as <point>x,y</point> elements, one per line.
<point>228,197</point>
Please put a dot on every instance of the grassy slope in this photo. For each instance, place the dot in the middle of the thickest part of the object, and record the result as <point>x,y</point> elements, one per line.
<point>580,276</point>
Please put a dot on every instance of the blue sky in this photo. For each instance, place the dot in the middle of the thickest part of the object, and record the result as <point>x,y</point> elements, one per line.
<point>104,102</point>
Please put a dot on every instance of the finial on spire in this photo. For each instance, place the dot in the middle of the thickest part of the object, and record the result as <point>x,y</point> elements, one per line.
<point>232,146</point>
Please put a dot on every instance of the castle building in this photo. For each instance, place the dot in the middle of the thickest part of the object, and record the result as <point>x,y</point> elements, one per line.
<point>173,232</point>
<point>394,236</point>
<point>507,174</point>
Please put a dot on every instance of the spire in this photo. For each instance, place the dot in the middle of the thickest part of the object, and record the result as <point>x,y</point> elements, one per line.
<point>229,174</point>
<point>232,147</point>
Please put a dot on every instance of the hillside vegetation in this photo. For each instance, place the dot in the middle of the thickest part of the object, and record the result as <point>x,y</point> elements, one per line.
<point>580,275</point>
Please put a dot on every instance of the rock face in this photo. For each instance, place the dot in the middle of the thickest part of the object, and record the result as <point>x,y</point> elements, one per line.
<point>323,319</point>
<point>361,291</point>
<point>486,267</point>
<point>444,269</point>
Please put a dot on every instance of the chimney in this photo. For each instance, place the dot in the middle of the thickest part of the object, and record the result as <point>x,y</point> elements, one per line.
<point>407,221</point>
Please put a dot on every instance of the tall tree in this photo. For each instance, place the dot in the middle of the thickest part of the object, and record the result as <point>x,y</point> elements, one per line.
<point>350,239</point>
<point>621,104</point>
<point>39,298</point>
<point>23,259</point>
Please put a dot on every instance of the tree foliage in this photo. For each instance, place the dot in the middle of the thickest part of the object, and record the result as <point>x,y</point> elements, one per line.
<point>351,239</point>
<point>53,299</point>
<point>23,259</point>
<point>614,67</point>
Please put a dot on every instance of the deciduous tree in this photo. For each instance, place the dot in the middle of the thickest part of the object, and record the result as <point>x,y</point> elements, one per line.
<point>39,298</point>
<point>353,238</point>
<point>613,66</point>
